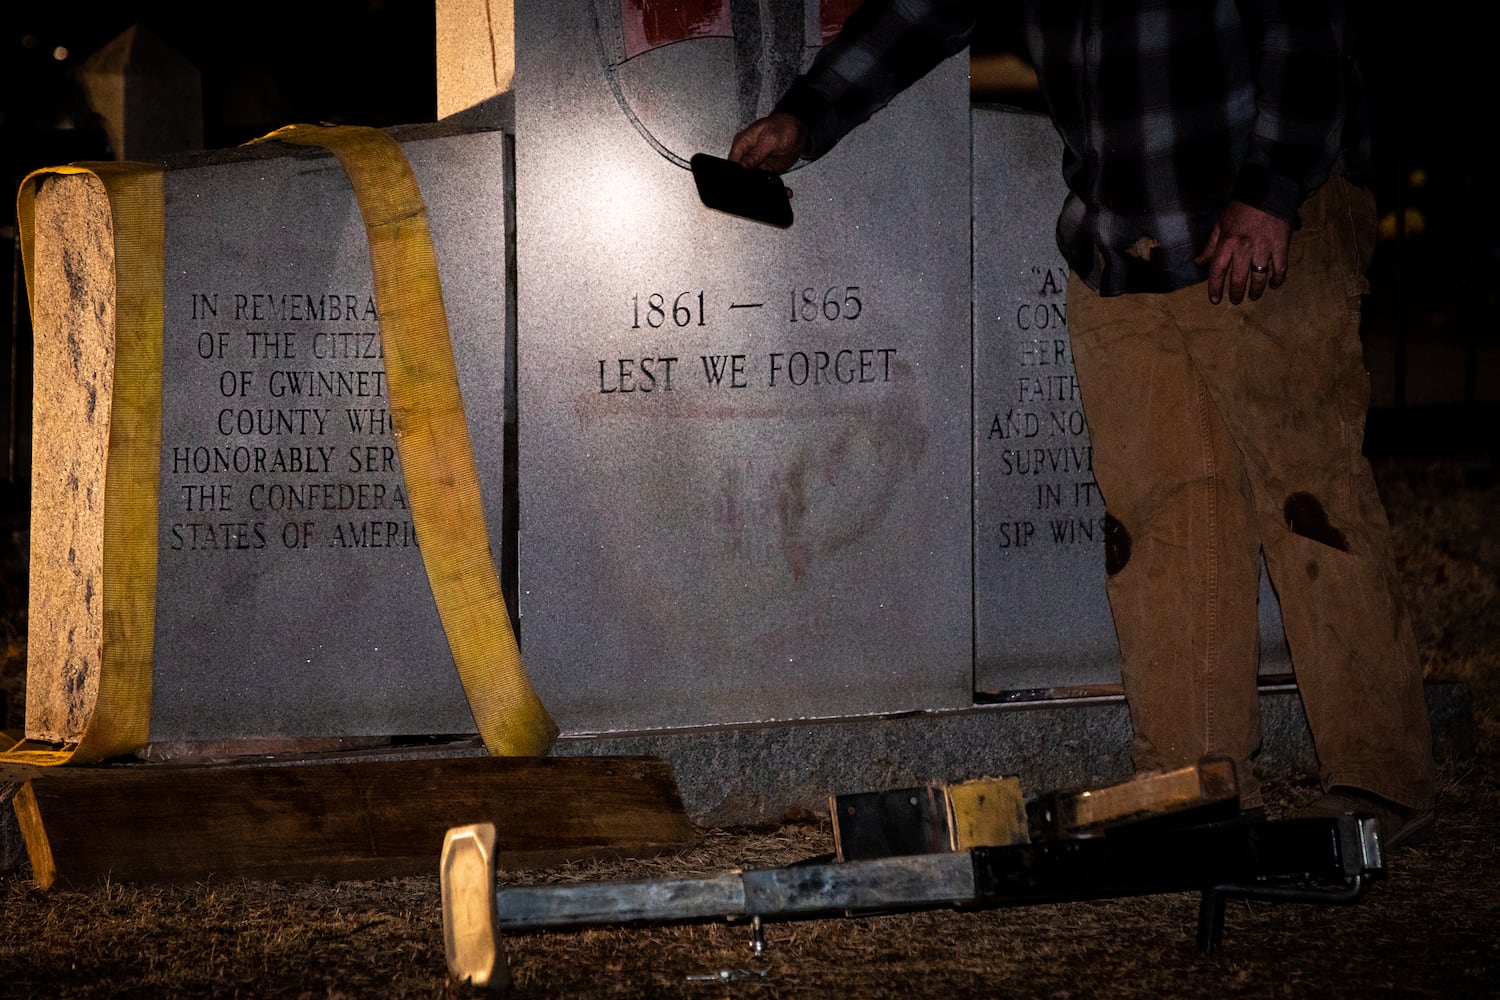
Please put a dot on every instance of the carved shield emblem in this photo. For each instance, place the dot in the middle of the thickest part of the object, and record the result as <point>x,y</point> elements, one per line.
<point>688,74</point>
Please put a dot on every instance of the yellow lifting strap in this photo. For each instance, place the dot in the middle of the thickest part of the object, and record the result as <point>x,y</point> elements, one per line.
<point>432,438</point>
<point>428,423</point>
<point>122,710</point>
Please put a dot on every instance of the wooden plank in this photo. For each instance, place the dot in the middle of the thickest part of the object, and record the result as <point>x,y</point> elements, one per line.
<point>340,820</point>
<point>1206,787</point>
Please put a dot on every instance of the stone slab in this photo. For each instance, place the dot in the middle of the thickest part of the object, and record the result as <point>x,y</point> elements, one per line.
<point>1041,618</point>
<point>291,596</point>
<point>476,56</point>
<point>324,599</point>
<point>744,450</point>
<point>73,316</point>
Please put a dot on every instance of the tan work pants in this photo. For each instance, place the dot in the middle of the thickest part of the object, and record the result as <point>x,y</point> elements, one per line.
<point>1219,432</point>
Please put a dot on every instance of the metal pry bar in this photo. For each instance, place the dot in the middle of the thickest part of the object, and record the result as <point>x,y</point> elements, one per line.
<point>796,891</point>
<point>1307,860</point>
<point>474,912</point>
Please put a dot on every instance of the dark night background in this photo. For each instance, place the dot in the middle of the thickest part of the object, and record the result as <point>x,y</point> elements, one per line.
<point>1430,332</point>
<point>1432,311</point>
<point>263,65</point>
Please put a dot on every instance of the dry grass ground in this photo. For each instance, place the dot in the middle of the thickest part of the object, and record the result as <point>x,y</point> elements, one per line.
<point>1428,928</point>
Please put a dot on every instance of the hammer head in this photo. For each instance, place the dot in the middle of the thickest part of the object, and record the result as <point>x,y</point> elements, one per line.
<point>471,933</point>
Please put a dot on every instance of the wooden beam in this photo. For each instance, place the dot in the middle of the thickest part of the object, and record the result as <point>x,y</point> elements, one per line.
<point>357,819</point>
<point>1206,790</point>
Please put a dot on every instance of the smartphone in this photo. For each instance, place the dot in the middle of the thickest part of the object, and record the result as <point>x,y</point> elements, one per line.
<point>744,191</point>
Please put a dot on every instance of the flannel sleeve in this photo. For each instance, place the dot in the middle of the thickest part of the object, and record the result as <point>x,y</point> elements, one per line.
<point>884,47</point>
<point>1300,103</point>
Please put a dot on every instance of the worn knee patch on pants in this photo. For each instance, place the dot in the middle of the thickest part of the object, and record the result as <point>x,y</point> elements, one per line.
<point>1305,516</point>
<point>1116,545</point>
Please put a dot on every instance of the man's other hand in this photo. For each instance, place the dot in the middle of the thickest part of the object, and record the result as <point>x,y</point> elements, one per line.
<point>1247,250</point>
<point>774,142</point>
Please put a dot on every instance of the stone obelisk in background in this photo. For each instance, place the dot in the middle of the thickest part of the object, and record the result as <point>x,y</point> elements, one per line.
<point>149,96</point>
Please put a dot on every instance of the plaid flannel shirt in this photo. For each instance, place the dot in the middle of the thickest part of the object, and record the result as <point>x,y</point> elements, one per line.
<point>1168,110</point>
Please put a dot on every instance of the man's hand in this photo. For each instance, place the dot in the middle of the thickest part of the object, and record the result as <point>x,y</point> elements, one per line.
<point>1249,248</point>
<point>774,142</point>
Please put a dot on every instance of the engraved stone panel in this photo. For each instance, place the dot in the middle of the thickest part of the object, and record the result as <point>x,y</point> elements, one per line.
<point>744,455</point>
<point>287,547</point>
<point>291,598</point>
